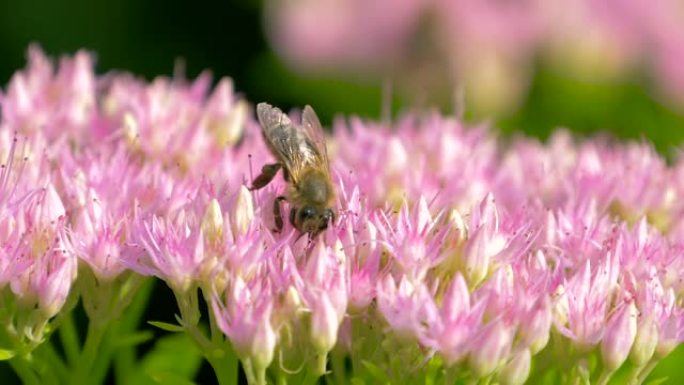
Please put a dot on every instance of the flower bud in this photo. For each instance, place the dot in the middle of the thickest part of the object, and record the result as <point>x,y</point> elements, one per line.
<point>620,333</point>
<point>667,337</point>
<point>645,342</point>
<point>212,223</point>
<point>476,258</point>
<point>516,370</point>
<point>459,226</point>
<point>243,212</point>
<point>130,129</point>
<point>324,325</point>
<point>493,346</point>
<point>560,308</point>
<point>263,343</point>
<point>52,207</point>
<point>535,328</point>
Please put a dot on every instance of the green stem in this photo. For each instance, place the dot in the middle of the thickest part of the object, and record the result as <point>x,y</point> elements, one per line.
<point>124,361</point>
<point>96,332</point>
<point>69,338</point>
<point>54,361</point>
<point>23,369</point>
<point>225,368</point>
<point>104,356</point>
<point>215,349</point>
<point>316,371</point>
<point>338,369</point>
<point>647,370</point>
<point>633,375</point>
<point>282,378</point>
<point>321,363</point>
<point>124,357</point>
<point>216,333</point>
<point>249,372</point>
<point>604,378</point>
<point>47,376</point>
<point>189,313</point>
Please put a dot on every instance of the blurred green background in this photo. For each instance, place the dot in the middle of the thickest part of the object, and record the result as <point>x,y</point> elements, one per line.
<point>227,37</point>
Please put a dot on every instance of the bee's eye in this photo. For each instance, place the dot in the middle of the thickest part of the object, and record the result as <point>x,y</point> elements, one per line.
<point>326,217</point>
<point>306,213</point>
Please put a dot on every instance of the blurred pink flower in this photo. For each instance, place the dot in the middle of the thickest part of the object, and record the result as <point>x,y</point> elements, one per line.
<point>488,48</point>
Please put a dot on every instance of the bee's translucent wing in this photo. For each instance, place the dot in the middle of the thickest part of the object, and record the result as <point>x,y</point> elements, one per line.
<point>270,117</point>
<point>314,130</point>
<point>289,143</point>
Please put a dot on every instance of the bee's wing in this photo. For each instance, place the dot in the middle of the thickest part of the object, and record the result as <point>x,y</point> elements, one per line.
<point>290,144</point>
<point>314,131</point>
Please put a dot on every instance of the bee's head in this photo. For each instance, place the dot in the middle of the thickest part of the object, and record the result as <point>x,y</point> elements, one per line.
<point>313,220</point>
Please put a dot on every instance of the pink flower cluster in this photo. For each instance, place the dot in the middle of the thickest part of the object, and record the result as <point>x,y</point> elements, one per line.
<point>486,46</point>
<point>449,240</point>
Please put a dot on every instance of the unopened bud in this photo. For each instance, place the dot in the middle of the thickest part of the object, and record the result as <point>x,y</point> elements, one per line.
<point>645,342</point>
<point>535,329</point>
<point>212,223</point>
<point>459,226</point>
<point>620,333</point>
<point>243,212</point>
<point>516,370</point>
<point>263,344</point>
<point>324,325</point>
<point>476,258</point>
<point>130,129</point>
<point>490,351</point>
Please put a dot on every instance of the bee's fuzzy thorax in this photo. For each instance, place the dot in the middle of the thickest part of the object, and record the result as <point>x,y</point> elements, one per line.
<point>314,188</point>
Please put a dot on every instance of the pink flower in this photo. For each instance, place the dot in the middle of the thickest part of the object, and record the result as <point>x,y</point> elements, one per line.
<point>58,104</point>
<point>621,331</point>
<point>587,294</point>
<point>487,46</point>
<point>459,320</point>
<point>245,317</point>
<point>43,261</point>
<point>491,349</point>
<point>322,285</point>
<point>170,248</point>
<point>413,240</point>
<point>406,306</point>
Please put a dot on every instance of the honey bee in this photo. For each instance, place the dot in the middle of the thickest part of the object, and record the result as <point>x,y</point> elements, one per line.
<point>301,153</point>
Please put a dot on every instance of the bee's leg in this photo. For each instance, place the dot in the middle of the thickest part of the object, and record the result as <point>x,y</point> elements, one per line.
<point>268,172</point>
<point>277,215</point>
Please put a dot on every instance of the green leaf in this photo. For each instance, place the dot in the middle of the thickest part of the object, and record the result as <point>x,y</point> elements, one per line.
<point>657,381</point>
<point>168,378</point>
<point>174,359</point>
<point>357,381</point>
<point>6,354</point>
<point>173,328</point>
<point>134,339</point>
<point>376,372</point>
